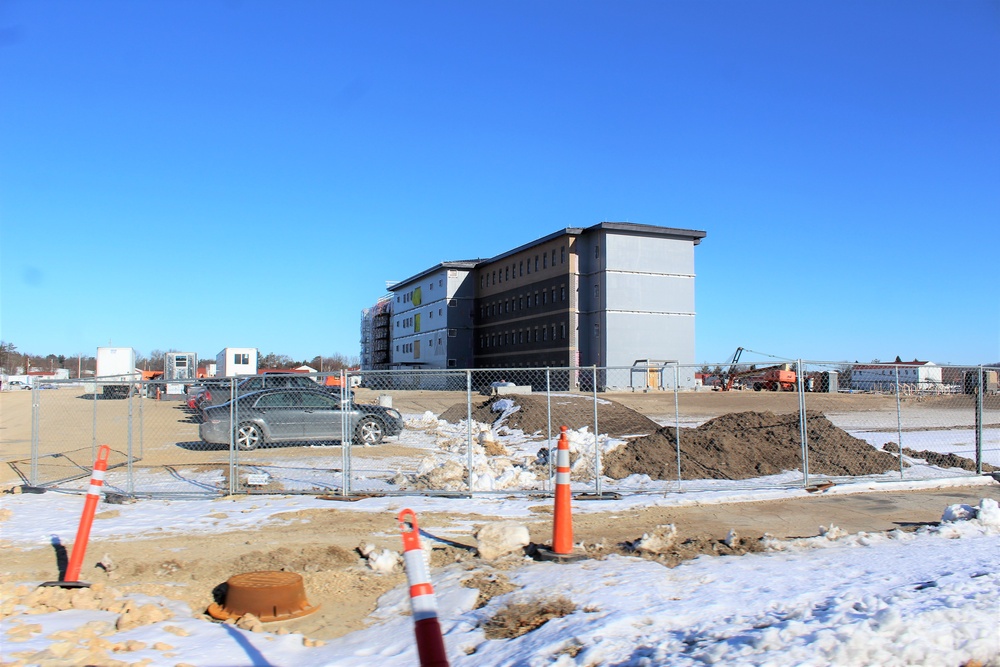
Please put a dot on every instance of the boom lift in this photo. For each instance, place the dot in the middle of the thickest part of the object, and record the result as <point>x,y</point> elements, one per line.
<point>779,377</point>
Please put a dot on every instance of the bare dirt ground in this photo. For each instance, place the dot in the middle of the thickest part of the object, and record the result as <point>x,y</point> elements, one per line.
<point>323,544</point>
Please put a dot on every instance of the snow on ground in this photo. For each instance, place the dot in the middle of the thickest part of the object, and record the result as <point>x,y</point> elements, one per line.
<point>927,598</point>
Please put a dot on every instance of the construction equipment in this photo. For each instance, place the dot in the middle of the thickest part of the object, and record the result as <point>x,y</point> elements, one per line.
<point>779,377</point>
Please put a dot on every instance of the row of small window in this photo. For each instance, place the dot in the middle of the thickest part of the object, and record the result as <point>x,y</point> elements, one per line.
<point>536,335</point>
<point>407,297</point>
<point>517,269</point>
<point>408,347</point>
<point>520,303</point>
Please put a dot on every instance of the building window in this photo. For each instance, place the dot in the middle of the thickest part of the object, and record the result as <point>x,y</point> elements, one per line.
<point>597,252</point>
<point>597,331</point>
<point>439,312</point>
<point>597,291</point>
<point>452,363</point>
<point>545,334</point>
<point>536,263</point>
<point>241,358</point>
<point>545,298</point>
<point>562,292</point>
<point>453,303</point>
<point>562,331</point>
<point>553,295</point>
<point>553,332</point>
<point>441,281</point>
<point>521,268</point>
<point>430,315</point>
<point>545,261</point>
<point>520,303</point>
<point>553,257</point>
<point>562,255</point>
<point>506,273</point>
<point>452,333</point>
<point>520,336</point>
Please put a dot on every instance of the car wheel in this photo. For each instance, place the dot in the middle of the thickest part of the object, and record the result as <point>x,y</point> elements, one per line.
<point>370,431</point>
<point>249,437</point>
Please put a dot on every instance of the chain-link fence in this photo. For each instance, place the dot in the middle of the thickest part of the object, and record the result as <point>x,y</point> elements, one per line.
<point>649,428</point>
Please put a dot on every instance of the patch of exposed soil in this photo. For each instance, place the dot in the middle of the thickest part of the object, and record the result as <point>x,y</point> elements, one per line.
<point>745,445</point>
<point>938,459</point>
<point>568,410</point>
<point>490,585</point>
<point>519,618</point>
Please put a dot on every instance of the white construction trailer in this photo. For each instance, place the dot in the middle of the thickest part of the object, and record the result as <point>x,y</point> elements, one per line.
<point>116,373</point>
<point>236,361</point>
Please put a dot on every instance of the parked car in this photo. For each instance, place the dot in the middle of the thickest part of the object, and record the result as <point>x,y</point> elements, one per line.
<point>17,384</point>
<point>294,414</point>
<point>224,394</point>
<point>195,390</point>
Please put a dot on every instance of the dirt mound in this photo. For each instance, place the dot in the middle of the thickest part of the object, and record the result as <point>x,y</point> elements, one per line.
<point>567,410</point>
<point>938,459</point>
<point>745,445</point>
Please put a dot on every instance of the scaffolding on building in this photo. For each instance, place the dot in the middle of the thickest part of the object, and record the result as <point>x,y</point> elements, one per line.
<point>375,335</point>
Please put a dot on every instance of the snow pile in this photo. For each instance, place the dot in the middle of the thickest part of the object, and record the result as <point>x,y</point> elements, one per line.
<point>583,448</point>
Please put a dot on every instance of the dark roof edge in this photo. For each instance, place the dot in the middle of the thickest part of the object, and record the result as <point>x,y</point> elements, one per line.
<point>652,230</point>
<point>457,264</point>
<point>694,235</point>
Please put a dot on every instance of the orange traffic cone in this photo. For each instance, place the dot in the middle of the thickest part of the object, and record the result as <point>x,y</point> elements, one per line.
<point>562,519</point>
<point>72,575</point>
<point>430,642</point>
<point>562,516</point>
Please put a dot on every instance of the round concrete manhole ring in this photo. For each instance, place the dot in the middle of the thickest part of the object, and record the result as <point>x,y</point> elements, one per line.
<point>270,596</point>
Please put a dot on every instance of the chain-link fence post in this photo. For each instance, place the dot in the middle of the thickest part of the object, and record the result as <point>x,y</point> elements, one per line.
<point>35,439</point>
<point>233,430</point>
<point>979,423</point>
<point>468,423</point>
<point>548,421</point>
<point>597,444</point>
<point>346,436</point>
<point>130,479</point>
<point>677,424</point>
<point>93,429</point>
<point>899,423</point>
<point>803,431</point>
<point>142,422</point>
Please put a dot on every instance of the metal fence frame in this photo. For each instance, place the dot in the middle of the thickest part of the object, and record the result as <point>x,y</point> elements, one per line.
<point>585,383</point>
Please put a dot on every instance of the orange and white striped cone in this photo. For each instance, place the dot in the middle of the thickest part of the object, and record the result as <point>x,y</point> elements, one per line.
<point>71,578</point>
<point>430,642</point>
<point>562,518</point>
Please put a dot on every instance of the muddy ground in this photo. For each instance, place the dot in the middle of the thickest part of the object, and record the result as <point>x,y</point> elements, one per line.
<point>321,544</point>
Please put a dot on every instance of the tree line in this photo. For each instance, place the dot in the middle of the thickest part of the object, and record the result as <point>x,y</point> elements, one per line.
<point>13,361</point>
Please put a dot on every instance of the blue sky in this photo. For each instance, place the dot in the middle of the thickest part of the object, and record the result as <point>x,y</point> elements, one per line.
<point>196,175</point>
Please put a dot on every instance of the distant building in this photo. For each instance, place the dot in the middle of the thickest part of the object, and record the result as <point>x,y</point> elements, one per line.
<point>605,295</point>
<point>233,361</point>
<point>883,376</point>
